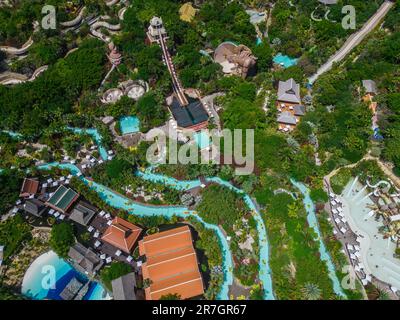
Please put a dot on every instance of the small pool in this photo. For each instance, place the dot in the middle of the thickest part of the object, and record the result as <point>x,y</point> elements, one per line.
<point>130,124</point>
<point>34,285</point>
<point>285,61</point>
<point>202,139</point>
<point>259,41</point>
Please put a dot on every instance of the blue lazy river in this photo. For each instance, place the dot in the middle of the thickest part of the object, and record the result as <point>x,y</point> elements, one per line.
<point>35,283</point>
<point>264,269</point>
<point>96,136</point>
<point>285,61</point>
<point>313,222</point>
<point>132,207</point>
<point>129,124</point>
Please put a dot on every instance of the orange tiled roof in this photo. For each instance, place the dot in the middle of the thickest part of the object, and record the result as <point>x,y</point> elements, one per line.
<point>122,234</point>
<point>171,264</point>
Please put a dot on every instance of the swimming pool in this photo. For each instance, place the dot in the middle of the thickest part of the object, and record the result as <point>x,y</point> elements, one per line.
<point>129,124</point>
<point>35,285</point>
<point>285,61</point>
<point>376,251</point>
<point>202,139</point>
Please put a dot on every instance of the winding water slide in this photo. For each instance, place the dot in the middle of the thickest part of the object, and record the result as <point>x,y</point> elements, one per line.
<point>103,24</point>
<point>74,22</point>
<point>171,68</point>
<point>17,51</point>
<point>354,40</point>
<point>9,78</point>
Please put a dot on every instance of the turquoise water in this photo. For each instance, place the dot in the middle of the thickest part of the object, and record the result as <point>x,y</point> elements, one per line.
<point>264,269</point>
<point>259,41</point>
<point>96,136</point>
<point>286,61</point>
<point>38,273</point>
<point>13,134</point>
<point>313,222</point>
<point>120,202</point>
<point>202,139</point>
<point>129,124</point>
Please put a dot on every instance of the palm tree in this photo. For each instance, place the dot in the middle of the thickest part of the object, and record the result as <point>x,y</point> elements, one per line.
<point>382,295</point>
<point>311,291</point>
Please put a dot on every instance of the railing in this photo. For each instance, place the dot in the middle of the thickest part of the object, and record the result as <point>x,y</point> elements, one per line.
<point>175,81</point>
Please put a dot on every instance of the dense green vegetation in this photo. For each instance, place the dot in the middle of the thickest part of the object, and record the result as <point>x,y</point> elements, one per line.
<point>10,182</point>
<point>294,33</point>
<point>62,238</point>
<point>31,106</point>
<point>114,271</point>
<point>13,232</point>
<point>295,258</point>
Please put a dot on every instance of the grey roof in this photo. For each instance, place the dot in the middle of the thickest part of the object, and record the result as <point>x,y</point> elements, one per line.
<point>84,258</point>
<point>71,290</point>
<point>370,86</point>
<point>287,118</point>
<point>35,207</point>
<point>124,287</point>
<point>299,110</point>
<point>289,91</point>
<point>83,213</point>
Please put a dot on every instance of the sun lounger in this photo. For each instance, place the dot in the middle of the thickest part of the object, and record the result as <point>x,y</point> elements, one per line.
<point>107,216</point>
<point>103,256</point>
<point>62,217</point>
<point>108,260</point>
<point>97,244</point>
<point>394,289</point>
<point>57,214</point>
<point>334,232</point>
<point>96,234</point>
<point>343,230</point>
<point>102,213</point>
<point>364,282</point>
<point>129,258</point>
<point>118,253</point>
<point>337,220</point>
<point>90,229</point>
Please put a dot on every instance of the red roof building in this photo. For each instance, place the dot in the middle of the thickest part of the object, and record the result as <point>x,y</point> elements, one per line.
<point>122,234</point>
<point>29,187</point>
<point>171,264</point>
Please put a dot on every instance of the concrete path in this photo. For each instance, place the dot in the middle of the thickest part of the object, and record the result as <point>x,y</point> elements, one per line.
<point>354,40</point>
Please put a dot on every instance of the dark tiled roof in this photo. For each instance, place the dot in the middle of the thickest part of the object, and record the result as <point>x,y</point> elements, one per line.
<point>83,213</point>
<point>85,258</point>
<point>287,118</point>
<point>124,287</point>
<point>299,110</point>
<point>188,116</point>
<point>35,207</point>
